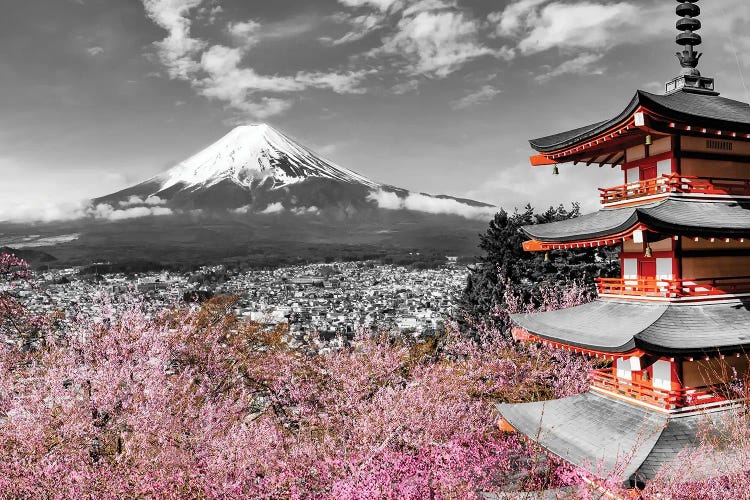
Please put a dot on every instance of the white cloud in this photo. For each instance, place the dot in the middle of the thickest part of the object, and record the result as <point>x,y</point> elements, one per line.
<point>405,87</point>
<point>242,210</point>
<point>341,83</point>
<point>218,72</point>
<point>581,30</point>
<point>43,211</point>
<point>229,82</point>
<point>246,32</point>
<point>361,27</point>
<point>583,64</point>
<point>437,43</point>
<point>540,25</point>
<point>273,208</point>
<point>306,210</point>
<point>515,16</point>
<point>107,212</point>
<point>177,50</point>
<point>210,13</point>
<point>484,94</point>
<point>136,201</point>
<point>382,5</point>
<point>415,7</point>
<point>423,203</point>
<point>94,51</point>
<point>50,212</point>
<point>515,186</point>
<point>584,25</point>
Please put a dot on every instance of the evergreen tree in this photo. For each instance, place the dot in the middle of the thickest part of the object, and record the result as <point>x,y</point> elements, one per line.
<point>504,264</point>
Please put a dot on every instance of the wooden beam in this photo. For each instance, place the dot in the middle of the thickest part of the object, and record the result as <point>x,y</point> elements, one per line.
<point>715,156</point>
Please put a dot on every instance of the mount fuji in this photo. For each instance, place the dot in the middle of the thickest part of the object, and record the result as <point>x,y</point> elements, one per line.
<point>256,195</point>
<point>257,169</point>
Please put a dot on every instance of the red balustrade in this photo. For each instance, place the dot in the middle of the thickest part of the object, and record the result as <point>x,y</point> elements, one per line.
<point>645,391</point>
<point>672,289</point>
<point>674,183</point>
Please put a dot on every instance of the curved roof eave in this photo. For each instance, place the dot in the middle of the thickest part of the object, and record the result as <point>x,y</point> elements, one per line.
<point>602,326</point>
<point>726,219</point>
<point>659,328</point>
<point>588,230</point>
<point>568,138</point>
<point>711,111</point>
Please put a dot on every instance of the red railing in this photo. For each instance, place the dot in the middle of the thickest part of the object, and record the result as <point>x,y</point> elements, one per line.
<point>645,391</point>
<point>671,289</point>
<point>674,183</point>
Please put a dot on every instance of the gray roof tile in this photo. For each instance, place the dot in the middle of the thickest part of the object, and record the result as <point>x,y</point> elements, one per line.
<point>620,326</point>
<point>672,216</point>
<point>607,436</point>
<point>697,109</point>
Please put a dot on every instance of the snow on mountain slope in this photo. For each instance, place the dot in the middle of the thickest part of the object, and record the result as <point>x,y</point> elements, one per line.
<point>255,169</point>
<point>251,154</point>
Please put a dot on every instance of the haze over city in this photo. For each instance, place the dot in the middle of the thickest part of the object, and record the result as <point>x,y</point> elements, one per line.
<point>433,95</point>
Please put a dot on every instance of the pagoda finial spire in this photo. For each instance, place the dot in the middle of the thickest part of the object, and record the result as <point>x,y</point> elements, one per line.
<point>688,24</point>
<point>690,79</point>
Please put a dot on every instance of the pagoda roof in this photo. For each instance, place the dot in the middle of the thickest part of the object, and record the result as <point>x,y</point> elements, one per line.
<point>703,110</point>
<point>606,436</point>
<point>676,216</point>
<point>611,326</point>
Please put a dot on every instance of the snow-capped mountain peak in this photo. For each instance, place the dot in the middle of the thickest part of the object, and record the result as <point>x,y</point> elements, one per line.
<point>250,154</point>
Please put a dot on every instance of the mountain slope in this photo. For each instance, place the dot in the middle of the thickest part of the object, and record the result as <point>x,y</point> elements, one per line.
<point>258,196</point>
<point>251,154</point>
<point>255,168</point>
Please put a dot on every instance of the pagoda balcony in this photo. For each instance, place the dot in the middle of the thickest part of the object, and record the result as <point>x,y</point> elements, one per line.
<point>673,183</point>
<point>672,289</point>
<point>666,399</point>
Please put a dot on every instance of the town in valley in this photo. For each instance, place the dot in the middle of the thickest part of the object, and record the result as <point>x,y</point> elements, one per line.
<point>322,305</point>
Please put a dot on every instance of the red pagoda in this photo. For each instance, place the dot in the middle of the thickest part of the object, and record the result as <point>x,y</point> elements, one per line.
<point>675,325</point>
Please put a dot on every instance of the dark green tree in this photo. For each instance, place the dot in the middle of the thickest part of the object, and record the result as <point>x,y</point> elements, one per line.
<point>504,264</point>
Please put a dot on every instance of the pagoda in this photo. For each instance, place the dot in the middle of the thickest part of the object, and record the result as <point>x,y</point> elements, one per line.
<point>674,328</point>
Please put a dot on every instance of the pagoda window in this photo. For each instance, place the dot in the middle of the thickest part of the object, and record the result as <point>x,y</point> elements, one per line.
<point>665,268</point>
<point>664,167</point>
<point>662,375</point>
<point>632,175</point>
<point>624,370</point>
<point>630,269</point>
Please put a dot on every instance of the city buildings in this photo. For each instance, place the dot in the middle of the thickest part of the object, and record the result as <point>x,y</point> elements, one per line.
<point>322,305</point>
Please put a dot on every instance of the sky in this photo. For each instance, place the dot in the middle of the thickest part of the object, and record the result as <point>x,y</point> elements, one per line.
<point>437,96</point>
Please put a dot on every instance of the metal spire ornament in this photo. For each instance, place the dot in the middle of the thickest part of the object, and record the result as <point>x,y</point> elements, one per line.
<point>690,79</point>
<point>688,24</point>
